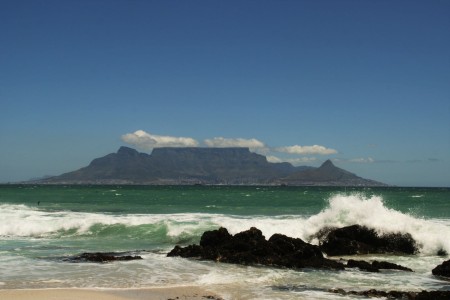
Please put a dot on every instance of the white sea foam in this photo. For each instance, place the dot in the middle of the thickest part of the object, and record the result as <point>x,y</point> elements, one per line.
<point>342,210</point>
<point>23,221</point>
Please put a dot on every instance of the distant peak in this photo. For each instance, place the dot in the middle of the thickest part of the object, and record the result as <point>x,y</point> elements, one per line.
<point>327,164</point>
<point>127,151</point>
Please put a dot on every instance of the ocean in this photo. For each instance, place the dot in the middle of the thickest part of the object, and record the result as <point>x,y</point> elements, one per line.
<point>42,226</point>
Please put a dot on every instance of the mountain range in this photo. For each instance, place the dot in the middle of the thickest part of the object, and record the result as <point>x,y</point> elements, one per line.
<point>209,166</point>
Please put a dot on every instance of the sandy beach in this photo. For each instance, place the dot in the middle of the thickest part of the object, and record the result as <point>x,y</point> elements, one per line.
<point>188,293</point>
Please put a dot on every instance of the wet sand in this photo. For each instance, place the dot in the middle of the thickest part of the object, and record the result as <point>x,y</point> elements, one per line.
<point>175,293</point>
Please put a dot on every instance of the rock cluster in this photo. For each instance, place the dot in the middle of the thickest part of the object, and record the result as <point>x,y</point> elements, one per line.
<point>443,269</point>
<point>357,239</point>
<point>375,266</point>
<point>100,257</point>
<point>423,295</point>
<point>251,247</point>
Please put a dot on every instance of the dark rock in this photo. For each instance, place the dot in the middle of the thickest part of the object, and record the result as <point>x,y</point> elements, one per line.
<point>432,295</point>
<point>443,269</point>
<point>250,247</point>
<point>285,245</point>
<point>101,257</point>
<point>295,253</point>
<point>362,265</point>
<point>375,266</point>
<point>357,239</point>
<point>215,238</point>
<point>389,266</point>
<point>189,251</point>
<point>442,252</point>
<point>424,295</point>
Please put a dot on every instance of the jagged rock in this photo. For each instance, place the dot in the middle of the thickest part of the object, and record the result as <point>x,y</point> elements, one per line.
<point>375,266</point>
<point>442,252</point>
<point>357,239</point>
<point>443,269</point>
<point>389,266</point>
<point>215,238</point>
<point>250,247</point>
<point>295,253</point>
<point>362,265</point>
<point>423,295</point>
<point>101,257</point>
<point>432,295</point>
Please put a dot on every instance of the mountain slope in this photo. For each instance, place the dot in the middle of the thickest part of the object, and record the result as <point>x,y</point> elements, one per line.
<point>327,174</point>
<point>202,166</point>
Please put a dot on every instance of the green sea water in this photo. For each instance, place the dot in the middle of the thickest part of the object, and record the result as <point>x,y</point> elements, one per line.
<point>40,226</point>
<point>247,200</point>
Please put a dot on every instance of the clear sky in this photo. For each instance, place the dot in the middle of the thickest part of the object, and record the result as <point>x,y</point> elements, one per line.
<point>364,83</point>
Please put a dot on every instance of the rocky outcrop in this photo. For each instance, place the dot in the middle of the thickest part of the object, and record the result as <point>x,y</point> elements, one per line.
<point>251,248</point>
<point>357,239</point>
<point>100,257</point>
<point>423,295</point>
<point>443,269</point>
<point>375,266</point>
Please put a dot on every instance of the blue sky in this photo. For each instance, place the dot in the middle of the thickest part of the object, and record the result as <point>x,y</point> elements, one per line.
<point>364,83</point>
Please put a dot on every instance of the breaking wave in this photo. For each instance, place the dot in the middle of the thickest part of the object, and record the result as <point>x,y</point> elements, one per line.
<point>21,221</point>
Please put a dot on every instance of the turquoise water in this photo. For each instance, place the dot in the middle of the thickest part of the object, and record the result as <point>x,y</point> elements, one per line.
<point>425,202</point>
<point>42,225</point>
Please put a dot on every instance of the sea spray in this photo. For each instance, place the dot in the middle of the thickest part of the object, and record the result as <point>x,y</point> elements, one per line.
<point>150,221</point>
<point>182,228</point>
<point>356,208</point>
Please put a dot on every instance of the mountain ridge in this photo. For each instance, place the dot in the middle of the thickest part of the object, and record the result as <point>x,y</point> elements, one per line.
<point>209,166</point>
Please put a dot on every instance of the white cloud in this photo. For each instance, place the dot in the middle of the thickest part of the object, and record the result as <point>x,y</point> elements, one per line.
<point>147,141</point>
<point>274,159</point>
<point>221,142</point>
<point>362,160</point>
<point>302,160</point>
<point>294,161</point>
<point>303,150</point>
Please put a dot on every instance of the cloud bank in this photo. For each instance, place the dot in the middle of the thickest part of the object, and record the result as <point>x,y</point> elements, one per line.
<point>221,142</point>
<point>306,150</point>
<point>294,161</point>
<point>293,154</point>
<point>359,160</point>
<point>147,141</point>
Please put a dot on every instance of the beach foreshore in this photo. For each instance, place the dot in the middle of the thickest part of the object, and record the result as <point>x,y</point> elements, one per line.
<point>163,293</point>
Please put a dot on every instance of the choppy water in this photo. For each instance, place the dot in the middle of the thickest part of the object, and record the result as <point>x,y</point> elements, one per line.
<point>41,225</point>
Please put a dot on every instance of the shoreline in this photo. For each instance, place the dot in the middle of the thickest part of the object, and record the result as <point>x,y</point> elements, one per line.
<point>153,293</point>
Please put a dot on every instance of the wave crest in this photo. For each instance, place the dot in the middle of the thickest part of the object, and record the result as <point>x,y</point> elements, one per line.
<point>345,210</point>
<point>20,221</point>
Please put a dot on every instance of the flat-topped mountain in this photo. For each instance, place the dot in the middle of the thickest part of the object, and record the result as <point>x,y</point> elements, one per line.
<point>202,166</point>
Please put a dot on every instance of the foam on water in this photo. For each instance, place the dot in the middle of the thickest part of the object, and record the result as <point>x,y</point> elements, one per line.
<point>342,210</point>
<point>349,209</point>
<point>34,240</point>
<point>345,210</point>
<point>23,221</point>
